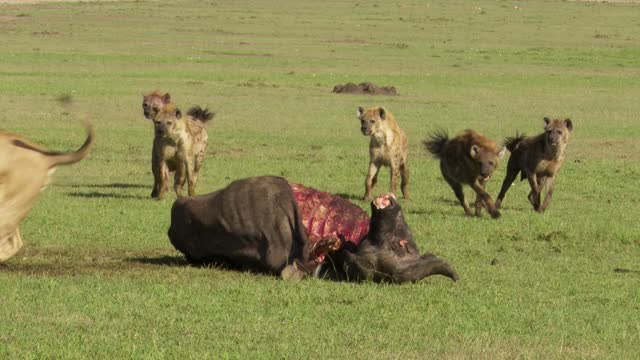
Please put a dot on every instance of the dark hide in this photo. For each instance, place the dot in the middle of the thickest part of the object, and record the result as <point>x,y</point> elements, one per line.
<point>257,224</point>
<point>387,254</point>
<point>252,224</point>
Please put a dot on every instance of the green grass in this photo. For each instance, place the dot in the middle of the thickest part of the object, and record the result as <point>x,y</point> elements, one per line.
<point>98,277</point>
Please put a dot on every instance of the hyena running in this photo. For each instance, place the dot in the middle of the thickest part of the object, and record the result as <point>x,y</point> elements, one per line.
<point>469,158</point>
<point>539,159</point>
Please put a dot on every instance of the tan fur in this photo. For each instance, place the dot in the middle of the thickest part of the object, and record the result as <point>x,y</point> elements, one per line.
<point>469,158</point>
<point>181,147</point>
<point>153,103</point>
<point>539,159</point>
<point>388,147</point>
<point>180,144</point>
<point>25,170</point>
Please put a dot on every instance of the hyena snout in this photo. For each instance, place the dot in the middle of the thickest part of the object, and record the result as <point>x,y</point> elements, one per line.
<point>486,169</point>
<point>556,137</point>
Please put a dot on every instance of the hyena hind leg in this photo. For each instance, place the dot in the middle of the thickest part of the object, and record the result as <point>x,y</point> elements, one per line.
<point>457,189</point>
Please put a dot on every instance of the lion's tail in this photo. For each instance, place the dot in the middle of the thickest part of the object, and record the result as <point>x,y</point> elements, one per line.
<point>436,143</point>
<point>58,158</point>
<point>511,142</point>
<point>200,114</point>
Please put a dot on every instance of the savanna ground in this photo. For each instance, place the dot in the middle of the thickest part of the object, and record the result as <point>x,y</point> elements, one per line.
<point>98,278</point>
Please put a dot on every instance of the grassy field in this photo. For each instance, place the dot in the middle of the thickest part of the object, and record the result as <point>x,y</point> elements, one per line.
<point>98,278</point>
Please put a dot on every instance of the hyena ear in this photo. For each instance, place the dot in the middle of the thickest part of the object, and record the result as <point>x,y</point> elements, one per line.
<point>569,124</point>
<point>502,152</point>
<point>178,114</point>
<point>475,150</point>
<point>382,113</point>
<point>360,111</point>
<point>546,120</point>
<point>166,98</point>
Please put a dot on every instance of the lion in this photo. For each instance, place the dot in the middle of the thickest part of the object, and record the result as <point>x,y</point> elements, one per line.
<point>25,170</point>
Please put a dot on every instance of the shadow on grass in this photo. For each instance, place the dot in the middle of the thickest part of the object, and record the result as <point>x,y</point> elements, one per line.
<point>107,186</point>
<point>165,260</point>
<point>113,195</point>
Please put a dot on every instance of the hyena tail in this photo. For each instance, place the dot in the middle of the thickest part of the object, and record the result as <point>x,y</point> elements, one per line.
<point>58,158</point>
<point>200,114</point>
<point>511,142</point>
<point>436,143</point>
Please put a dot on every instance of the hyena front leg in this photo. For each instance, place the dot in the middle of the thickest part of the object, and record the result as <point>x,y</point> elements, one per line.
<point>393,174</point>
<point>404,174</point>
<point>196,169</point>
<point>160,178</point>
<point>486,198</point>
<point>370,182</point>
<point>534,195</point>
<point>479,203</point>
<point>190,178</point>
<point>179,179</point>
<point>156,170</point>
<point>550,183</point>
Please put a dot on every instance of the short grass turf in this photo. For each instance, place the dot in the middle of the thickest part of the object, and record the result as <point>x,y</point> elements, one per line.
<point>98,278</point>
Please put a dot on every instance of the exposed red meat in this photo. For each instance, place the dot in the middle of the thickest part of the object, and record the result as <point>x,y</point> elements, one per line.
<point>329,220</point>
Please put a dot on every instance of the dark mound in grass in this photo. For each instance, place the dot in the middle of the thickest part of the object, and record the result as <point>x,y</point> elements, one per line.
<point>364,88</point>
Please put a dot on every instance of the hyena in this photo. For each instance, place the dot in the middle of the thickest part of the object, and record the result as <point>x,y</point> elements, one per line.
<point>153,102</point>
<point>539,159</point>
<point>388,147</point>
<point>163,154</point>
<point>469,158</point>
<point>180,145</point>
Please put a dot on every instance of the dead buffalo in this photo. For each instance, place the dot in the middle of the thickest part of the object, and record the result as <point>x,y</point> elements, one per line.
<point>266,224</point>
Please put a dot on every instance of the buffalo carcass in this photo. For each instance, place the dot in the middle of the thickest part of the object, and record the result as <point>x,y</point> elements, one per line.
<point>266,224</point>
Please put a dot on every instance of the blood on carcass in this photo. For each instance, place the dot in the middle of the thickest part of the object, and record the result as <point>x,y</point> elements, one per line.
<point>329,220</point>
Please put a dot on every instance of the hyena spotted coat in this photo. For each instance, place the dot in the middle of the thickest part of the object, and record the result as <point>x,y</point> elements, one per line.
<point>469,158</point>
<point>539,159</point>
<point>388,147</point>
<point>178,141</point>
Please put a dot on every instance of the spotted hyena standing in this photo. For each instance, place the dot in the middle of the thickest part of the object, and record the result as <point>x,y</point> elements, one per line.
<point>179,143</point>
<point>388,147</point>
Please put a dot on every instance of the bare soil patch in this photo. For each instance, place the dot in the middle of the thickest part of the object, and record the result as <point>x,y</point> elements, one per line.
<point>365,88</point>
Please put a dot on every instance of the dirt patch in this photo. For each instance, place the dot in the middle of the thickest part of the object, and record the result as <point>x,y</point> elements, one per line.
<point>365,88</point>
